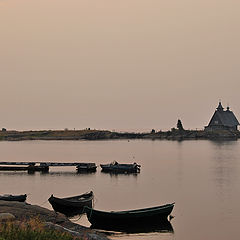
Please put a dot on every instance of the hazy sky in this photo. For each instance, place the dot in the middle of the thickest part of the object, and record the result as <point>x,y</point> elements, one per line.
<point>126,64</point>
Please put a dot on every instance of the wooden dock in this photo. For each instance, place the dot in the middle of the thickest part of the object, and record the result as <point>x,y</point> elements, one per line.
<point>44,166</point>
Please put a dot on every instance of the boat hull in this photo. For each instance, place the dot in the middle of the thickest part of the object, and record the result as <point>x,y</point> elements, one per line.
<point>17,198</point>
<point>120,168</point>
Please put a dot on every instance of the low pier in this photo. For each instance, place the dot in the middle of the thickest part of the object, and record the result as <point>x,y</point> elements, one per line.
<point>32,167</point>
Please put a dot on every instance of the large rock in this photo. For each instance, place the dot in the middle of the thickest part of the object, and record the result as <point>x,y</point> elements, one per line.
<point>22,211</point>
<point>7,217</point>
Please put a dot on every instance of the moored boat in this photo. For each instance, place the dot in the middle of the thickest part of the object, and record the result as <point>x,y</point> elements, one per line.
<point>71,205</point>
<point>128,218</point>
<point>9,197</point>
<point>116,167</point>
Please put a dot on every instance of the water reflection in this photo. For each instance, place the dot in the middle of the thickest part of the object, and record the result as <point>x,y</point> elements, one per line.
<point>14,174</point>
<point>116,175</point>
<point>224,165</point>
<point>220,143</point>
<point>56,173</point>
<point>201,176</point>
<point>224,159</point>
<point>162,226</point>
<point>179,162</point>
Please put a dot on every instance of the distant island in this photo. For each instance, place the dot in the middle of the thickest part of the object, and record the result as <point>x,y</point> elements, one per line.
<point>173,134</point>
<point>223,125</point>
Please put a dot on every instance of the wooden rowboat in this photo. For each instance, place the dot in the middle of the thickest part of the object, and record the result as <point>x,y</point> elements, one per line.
<point>18,198</point>
<point>71,205</point>
<point>116,167</point>
<point>128,218</point>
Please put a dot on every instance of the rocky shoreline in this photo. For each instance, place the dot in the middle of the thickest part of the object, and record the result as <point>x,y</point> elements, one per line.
<point>173,134</point>
<point>18,211</point>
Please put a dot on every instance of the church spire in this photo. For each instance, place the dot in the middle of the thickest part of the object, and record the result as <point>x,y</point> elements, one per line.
<point>220,107</point>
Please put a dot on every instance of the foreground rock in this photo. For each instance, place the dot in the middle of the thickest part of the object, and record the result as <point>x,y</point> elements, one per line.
<point>7,217</point>
<point>23,211</point>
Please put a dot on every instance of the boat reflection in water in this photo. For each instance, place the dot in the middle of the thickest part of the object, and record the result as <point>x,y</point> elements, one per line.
<point>163,226</point>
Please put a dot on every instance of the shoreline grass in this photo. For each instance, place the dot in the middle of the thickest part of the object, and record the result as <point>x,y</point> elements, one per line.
<point>30,230</point>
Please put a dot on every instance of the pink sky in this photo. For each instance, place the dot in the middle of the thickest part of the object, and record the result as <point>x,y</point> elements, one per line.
<point>129,64</point>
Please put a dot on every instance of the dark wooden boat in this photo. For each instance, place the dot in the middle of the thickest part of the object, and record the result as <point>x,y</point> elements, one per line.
<point>71,205</point>
<point>128,218</point>
<point>116,167</point>
<point>18,198</point>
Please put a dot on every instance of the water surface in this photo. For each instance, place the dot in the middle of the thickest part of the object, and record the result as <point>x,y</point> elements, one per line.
<point>202,177</point>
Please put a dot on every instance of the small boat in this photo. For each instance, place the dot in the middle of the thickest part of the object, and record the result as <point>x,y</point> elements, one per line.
<point>9,197</point>
<point>128,218</point>
<point>71,205</point>
<point>120,168</point>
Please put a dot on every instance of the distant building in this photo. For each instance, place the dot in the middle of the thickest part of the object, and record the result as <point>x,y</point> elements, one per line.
<point>222,120</point>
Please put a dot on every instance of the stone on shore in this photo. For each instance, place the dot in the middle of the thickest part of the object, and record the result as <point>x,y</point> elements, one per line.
<point>23,211</point>
<point>7,217</point>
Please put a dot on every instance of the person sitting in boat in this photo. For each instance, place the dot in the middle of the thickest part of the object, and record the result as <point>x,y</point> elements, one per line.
<point>114,163</point>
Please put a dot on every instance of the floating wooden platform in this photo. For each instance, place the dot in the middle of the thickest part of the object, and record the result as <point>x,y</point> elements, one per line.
<point>29,168</point>
<point>44,166</point>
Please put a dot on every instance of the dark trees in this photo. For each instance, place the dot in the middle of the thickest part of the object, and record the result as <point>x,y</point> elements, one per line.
<point>179,125</point>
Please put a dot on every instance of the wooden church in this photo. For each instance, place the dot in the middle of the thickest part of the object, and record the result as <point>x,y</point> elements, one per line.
<point>222,120</point>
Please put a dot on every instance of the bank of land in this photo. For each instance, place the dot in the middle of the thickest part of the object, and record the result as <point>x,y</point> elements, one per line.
<point>19,219</point>
<point>173,134</point>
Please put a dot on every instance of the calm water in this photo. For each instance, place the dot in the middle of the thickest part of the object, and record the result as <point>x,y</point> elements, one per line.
<point>202,177</point>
